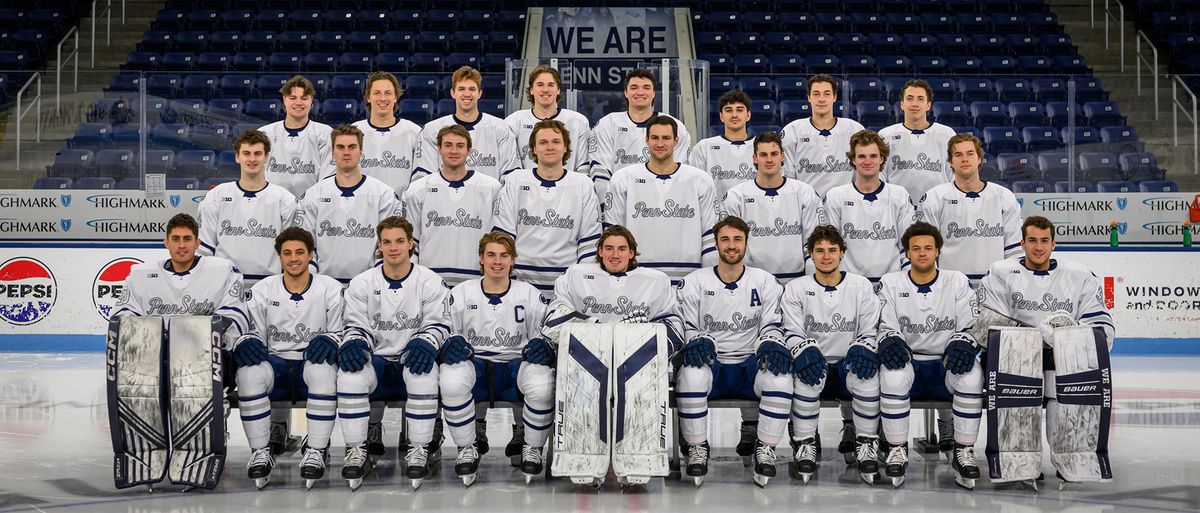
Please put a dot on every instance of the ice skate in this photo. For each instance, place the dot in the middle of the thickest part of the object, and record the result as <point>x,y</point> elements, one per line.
<point>764,463</point>
<point>281,441</point>
<point>417,464</point>
<point>866,450</point>
<point>531,462</point>
<point>466,466</point>
<point>259,467</point>
<point>896,463</point>
<point>804,464</point>
<point>356,465</point>
<point>312,465</point>
<point>697,462</point>
<point>514,449</point>
<point>965,469</point>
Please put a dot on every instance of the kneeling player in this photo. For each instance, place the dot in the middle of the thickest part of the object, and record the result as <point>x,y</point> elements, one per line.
<point>731,313</point>
<point>495,320</point>
<point>297,318</point>
<point>396,316</point>
<point>926,352</point>
<point>830,319</point>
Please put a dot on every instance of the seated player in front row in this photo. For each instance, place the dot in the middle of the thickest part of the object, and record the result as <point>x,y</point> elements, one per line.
<point>731,314</point>
<point>297,324</point>
<point>927,352</point>
<point>397,314</point>
<point>495,353</point>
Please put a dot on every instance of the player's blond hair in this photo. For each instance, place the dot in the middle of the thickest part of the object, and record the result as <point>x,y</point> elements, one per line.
<point>466,73</point>
<point>557,126</point>
<point>500,238</point>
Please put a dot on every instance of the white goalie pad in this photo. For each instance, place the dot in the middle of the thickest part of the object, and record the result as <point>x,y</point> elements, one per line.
<point>1083,385</point>
<point>640,384</point>
<point>135,412</point>
<point>196,412</point>
<point>582,426</point>
<point>1014,404</point>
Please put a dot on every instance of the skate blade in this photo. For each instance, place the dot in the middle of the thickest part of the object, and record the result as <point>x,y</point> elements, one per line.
<point>869,478</point>
<point>261,482</point>
<point>964,482</point>
<point>1032,483</point>
<point>308,483</point>
<point>529,478</point>
<point>469,479</point>
<point>354,483</point>
<point>897,482</point>
<point>761,480</point>
<point>416,484</point>
<point>699,480</point>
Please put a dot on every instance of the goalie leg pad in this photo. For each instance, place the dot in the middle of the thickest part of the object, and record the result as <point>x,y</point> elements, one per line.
<point>1014,404</point>
<point>640,360</point>
<point>1080,420</point>
<point>135,406</point>
<point>196,417</point>
<point>583,391</point>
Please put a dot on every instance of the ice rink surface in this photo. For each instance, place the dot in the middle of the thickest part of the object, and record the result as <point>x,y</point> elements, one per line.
<point>56,455</point>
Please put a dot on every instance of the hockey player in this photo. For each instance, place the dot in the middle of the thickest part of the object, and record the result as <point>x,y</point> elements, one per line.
<point>389,143</point>
<point>1041,291</point>
<point>870,214</point>
<point>397,314</point>
<point>290,355</point>
<point>830,321</point>
<point>670,203</point>
<point>728,157</point>
<point>813,147</point>
<point>927,352</point>
<point>240,220</point>
<point>544,92</point>
<point>186,283</point>
<point>452,208</point>
<point>341,210</point>
<point>494,321</point>
<point>917,145</point>
<point>735,350</point>
<point>781,212</point>
<point>494,152</point>
<point>981,221</point>
<point>551,212</point>
<point>621,136</point>
<point>301,155</point>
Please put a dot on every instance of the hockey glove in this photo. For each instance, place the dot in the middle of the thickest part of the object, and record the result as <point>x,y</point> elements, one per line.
<point>1056,319</point>
<point>894,352</point>
<point>539,352</point>
<point>353,355</point>
<point>635,315</point>
<point>699,352</point>
<point>862,361</point>
<point>559,317</point>
<point>959,356</point>
<point>322,348</point>
<point>456,349</point>
<point>773,357</point>
<point>809,367</point>
<point>418,356</point>
<point>250,351</point>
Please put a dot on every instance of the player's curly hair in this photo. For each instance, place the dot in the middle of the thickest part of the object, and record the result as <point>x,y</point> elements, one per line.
<point>345,130</point>
<point>734,96</point>
<point>827,233</point>
<point>823,78</point>
<point>918,229</point>
<point>466,73</point>
<point>183,221</point>
<point>456,130</point>
<point>395,222</point>
<point>382,75</point>
<point>292,233</point>
<point>639,73</point>
<point>252,136</point>
<point>501,238</point>
<point>617,230</point>
<point>557,126</point>
<point>533,75</point>
<point>867,138</point>
<point>302,83</point>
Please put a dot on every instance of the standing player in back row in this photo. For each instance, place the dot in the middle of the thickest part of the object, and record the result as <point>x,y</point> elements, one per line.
<point>621,136</point>
<point>814,148</point>
<point>544,92</point>
<point>728,157</point>
<point>493,148</point>
<point>917,144</point>
<point>300,155</point>
<point>389,143</point>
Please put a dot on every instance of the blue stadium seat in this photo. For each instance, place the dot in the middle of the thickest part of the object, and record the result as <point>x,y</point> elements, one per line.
<point>423,86</point>
<point>254,62</point>
<point>950,113</point>
<point>865,89</point>
<point>975,89</point>
<point>797,21</point>
<point>171,136</point>
<point>504,42</point>
<point>786,63</point>
<point>1116,186</point>
<point>259,41</point>
<point>204,20</point>
<point>873,113</point>
<point>211,136</point>
<point>237,86</point>
<point>95,183</point>
<point>885,43</point>
<point>745,42</point>
<point>295,41</point>
<point>1082,135</point>
<point>114,163</point>
<point>822,63</point>
<point>228,41</point>
<point>999,65</point>
<point>459,59</point>
<point>791,110</point>
<point>495,62</point>
<point>178,61</point>
<point>752,64</point>
<point>1158,186</point>
<point>850,43</point>
<point>1079,186</point>
<point>1121,139</point>
<point>973,23</point>
<point>1013,90</point>
<point>815,42</point>
<point>213,61</point>
<point>1022,44</point>
<point>227,164</point>
<point>160,161</point>
<point>718,62</point>
<point>337,111</point>
<point>125,136</point>
<point>170,19</point>
<point>1137,167</point>
<point>1058,112</point>
<point>867,22</point>
<point>968,130</point>
<point>791,87</point>
<point>1040,138</point>
<point>1025,114</point>
<point>288,62</point>
<point>348,86</point>
<point>944,88</point>
<point>271,20</point>
<point>1042,23</point>
<point>920,45</point>
<point>307,20</point>
<point>196,163</point>
<point>954,44</point>
<point>1034,65</point>
<point>193,41</point>
<point>356,62</point>
<point>1101,114</point>
<point>225,110</point>
<point>419,111</point>
<point>1008,23</point>
<point>444,107</point>
<point>157,41</point>
<point>1031,186</point>
<point>200,86</point>
<point>392,62</point>
<point>1056,44</point>
<point>182,184</point>
<point>1016,166</point>
<point>185,110</point>
<point>1048,90</point>
<point>989,45</point>
<point>757,87</point>
<point>164,85</point>
<point>493,106</point>
<point>442,19</point>
<point>902,22</point>
<point>1098,166</point>
<point>48,182</point>
<point>137,61</point>
<point>320,62</point>
<point>469,41</point>
<point>832,21</point>
<point>71,163</point>
<point>720,84</point>
<point>893,65</point>
<point>407,20</point>
<point>375,20</point>
<point>155,110</point>
<point>93,136</point>
<point>989,114</point>
<point>433,41</point>
<point>964,65</point>
<point>1071,65</point>
<point>124,82</point>
<point>1089,89</point>
<point>339,20</point>
<point>1001,139</point>
<point>1055,166</point>
<point>858,64</point>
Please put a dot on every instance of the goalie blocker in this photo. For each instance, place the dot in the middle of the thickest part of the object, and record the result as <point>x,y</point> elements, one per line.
<point>612,403</point>
<point>165,400</point>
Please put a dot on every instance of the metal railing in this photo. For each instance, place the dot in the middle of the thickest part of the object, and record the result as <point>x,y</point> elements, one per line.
<point>108,31</point>
<point>1176,107</point>
<point>60,64</point>
<point>22,111</point>
<point>1151,65</point>
<point>1120,20</point>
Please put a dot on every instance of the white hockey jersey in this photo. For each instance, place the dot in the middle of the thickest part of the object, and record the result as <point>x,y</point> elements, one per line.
<point>389,154</point>
<point>497,326</point>
<point>287,321</point>
<point>670,215</point>
<point>343,221</point>
<point>780,220</point>
<point>836,317</point>
<point>918,157</point>
<point>299,158</point>
<point>241,226</point>
<point>979,228</point>
<point>592,291</point>
<point>1028,296</point>
<point>493,146</point>
<point>521,123</point>
<point>734,314</point>
<point>555,223</point>
<point>728,162</point>
<point>390,313</point>
<point>927,315</point>
<point>448,218</point>
<point>211,287</point>
<point>818,157</point>
<point>872,224</point>
<point>621,143</point>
